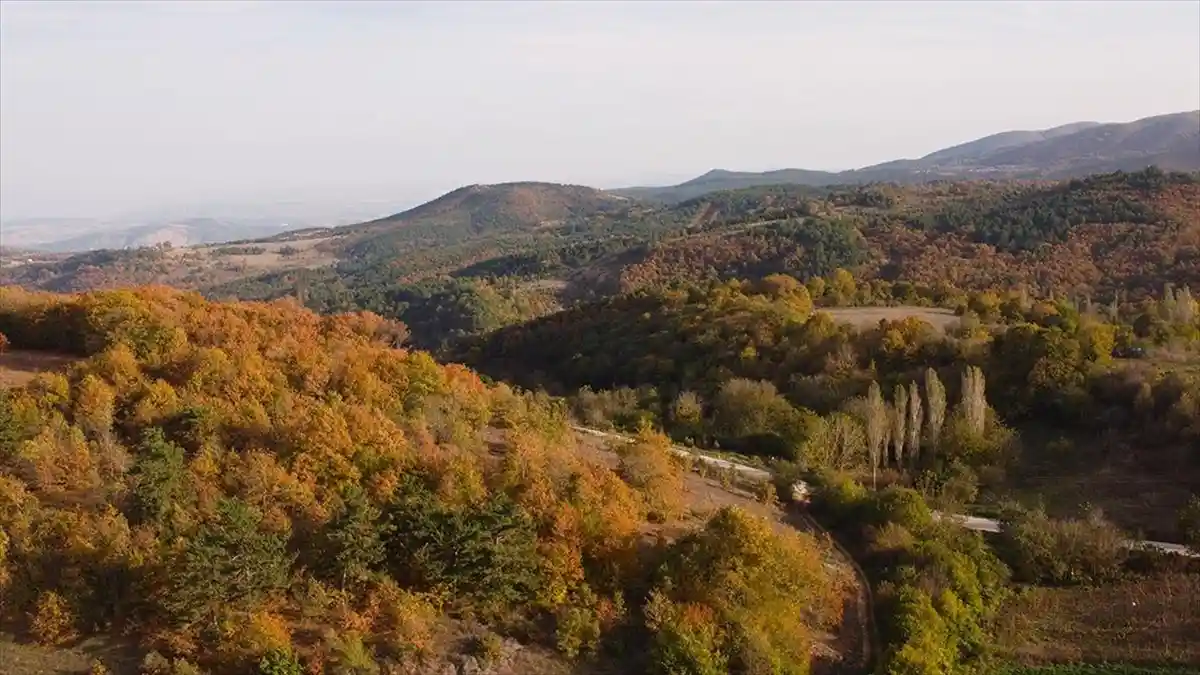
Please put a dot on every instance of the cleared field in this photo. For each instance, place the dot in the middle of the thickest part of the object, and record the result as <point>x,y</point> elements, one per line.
<point>866,317</point>
<point>1149,622</point>
<point>25,659</point>
<point>18,366</point>
<point>261,256</point>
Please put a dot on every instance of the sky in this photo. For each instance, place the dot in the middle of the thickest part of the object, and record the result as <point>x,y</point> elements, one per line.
<point>109,108</point>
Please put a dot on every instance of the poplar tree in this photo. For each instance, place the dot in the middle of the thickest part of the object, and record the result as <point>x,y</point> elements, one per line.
<point>935,397</point>
<point>913,441</point>
<point>899,422</point>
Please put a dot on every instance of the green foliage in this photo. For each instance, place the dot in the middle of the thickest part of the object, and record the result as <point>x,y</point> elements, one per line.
<point>228,564</point>
<point>937,586</point>
<point>487,552</point>
<point>1044,550</point>
<point>280,662</point>
<point>160,484</point>
<point>357,538</point>
<point>1024,219</point>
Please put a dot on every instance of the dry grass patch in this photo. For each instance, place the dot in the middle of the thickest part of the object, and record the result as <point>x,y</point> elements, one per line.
<point>868,317</point>
<point>1150,621</point>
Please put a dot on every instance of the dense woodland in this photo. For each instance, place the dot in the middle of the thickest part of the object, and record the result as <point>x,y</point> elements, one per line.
<point>254,488</point>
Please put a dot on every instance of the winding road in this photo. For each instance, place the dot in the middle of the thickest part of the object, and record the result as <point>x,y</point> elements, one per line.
<point>801,490</point>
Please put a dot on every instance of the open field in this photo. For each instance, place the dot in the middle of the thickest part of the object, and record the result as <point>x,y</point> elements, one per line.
<point>1150,622</point>
<point>260,257</point>
<point>866,317</point>
<point>18,366</point>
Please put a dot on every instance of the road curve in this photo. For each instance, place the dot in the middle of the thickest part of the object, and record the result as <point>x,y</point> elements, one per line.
<point>800,489</point>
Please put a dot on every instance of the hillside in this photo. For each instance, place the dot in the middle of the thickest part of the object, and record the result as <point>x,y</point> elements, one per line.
<point>482,257</point>
<point>478,210</point>
<point>249,488</point>
<point>1171,142</point>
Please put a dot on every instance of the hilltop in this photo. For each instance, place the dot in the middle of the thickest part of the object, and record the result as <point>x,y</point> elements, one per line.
<point>1171,142</point>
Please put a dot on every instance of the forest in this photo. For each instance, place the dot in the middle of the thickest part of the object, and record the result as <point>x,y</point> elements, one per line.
<point>255,488</point>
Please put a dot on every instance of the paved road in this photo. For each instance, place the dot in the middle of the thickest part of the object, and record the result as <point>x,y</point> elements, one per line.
<point>801,489</point>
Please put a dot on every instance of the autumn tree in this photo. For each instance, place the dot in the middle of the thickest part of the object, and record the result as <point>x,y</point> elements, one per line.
<point>973,401</point>
<point>876,422</point>
<point>899,421</point>
<point>647,466</point>
<point>935,398</point>
<point>913,438</point>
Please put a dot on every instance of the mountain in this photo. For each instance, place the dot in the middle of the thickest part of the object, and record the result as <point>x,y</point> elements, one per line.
<point>1171,142</point>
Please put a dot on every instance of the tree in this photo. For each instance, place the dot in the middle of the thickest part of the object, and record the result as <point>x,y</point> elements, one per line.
<point>935,397</point>
<point>899,422</point>
<point>356,538</point>
<point>973,404</point>
<point>160,481</point>
<point>230,564</point>
<point>876,421</point>
<point>913,441</point>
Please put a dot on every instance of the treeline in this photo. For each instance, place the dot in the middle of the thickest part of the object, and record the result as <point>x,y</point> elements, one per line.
<point>251,487</point>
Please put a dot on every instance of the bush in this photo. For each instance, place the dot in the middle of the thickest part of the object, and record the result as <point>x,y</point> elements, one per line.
<point>647,466</point>
<point>1041,549</point>
<point>280,662</point>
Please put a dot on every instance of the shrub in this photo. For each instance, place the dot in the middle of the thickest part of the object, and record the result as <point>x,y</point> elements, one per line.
<point>686,638</point>
<point>647,466</point>
<point>1044,550</point>
<point>280,662</point>
<point>577,630</point>
<point>53,621</point>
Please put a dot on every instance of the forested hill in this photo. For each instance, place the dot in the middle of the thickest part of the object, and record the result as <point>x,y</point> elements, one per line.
<point>486,256</point>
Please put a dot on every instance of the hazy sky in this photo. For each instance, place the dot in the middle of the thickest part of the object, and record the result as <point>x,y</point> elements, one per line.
<point>107,108</point>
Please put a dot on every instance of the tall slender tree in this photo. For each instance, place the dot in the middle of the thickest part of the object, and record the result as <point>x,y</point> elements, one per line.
<point>913,440</point>
<point>899,422</point>
<point>877,426</point>
<point>935,397</point>
<point>973,404</point>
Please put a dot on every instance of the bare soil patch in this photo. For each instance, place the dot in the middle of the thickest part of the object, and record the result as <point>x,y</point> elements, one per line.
<point>868,317</point>
<point>27,659</point>
<point>17,367</point>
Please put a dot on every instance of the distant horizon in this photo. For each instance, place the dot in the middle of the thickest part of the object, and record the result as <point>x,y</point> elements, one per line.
<point>399,102</point>
<point>215,211</point>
